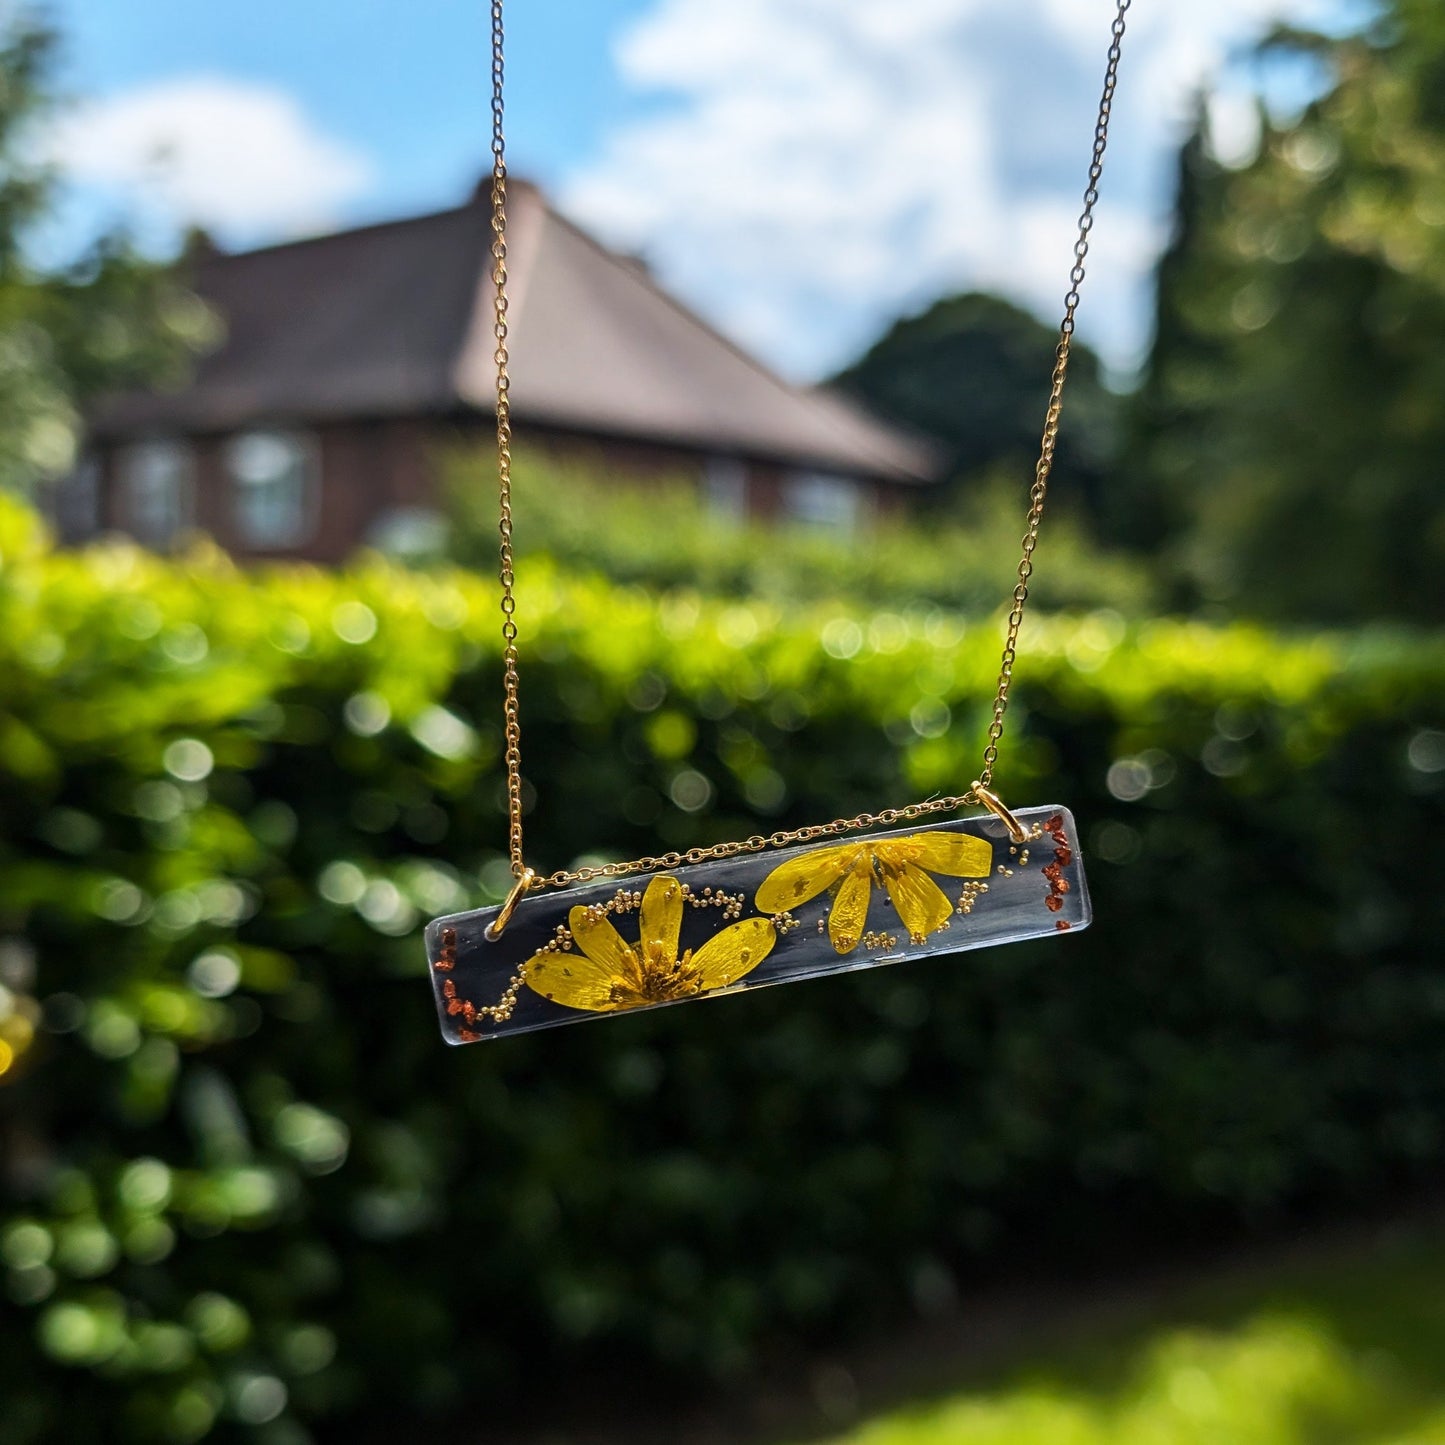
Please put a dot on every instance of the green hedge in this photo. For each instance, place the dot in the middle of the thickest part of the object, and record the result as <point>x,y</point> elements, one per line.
<point>592,518</point>
<point>244,1184</point>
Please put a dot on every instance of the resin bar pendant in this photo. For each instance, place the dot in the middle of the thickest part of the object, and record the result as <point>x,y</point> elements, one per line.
<point>712,928</point>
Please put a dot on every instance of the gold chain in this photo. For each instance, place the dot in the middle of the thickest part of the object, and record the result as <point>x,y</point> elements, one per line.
<point>978,793</point>
<point>1045,464</point>
<point>504,450</point>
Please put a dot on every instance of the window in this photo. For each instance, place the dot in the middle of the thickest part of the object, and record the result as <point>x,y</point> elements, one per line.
<point>414,534</point>
<point>820,499</point>
<point>725,488</point>
<point>76,501</point>
<point>156,486</point>
<point>272,488</point>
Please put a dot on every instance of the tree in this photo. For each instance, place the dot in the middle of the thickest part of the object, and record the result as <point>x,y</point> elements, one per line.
<point>972,373</point>
<point>1289,433</point>
<point>107,320</point>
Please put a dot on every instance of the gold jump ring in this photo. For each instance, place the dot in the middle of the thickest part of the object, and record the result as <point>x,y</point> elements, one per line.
<point>994,804</point>
<point>493,931</point>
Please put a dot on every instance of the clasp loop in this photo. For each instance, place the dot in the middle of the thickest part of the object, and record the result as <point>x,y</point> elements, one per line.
<point>493,931</point>
<point>994,804</point>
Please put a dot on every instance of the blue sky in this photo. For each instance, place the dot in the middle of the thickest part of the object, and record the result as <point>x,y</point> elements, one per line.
<point>799,170</point>
<point>403,81</point>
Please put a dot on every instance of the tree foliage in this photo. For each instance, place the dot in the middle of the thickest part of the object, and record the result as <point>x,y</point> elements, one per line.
<point>1290,430</point>
<point>972,372</point>
<point>107,319</point>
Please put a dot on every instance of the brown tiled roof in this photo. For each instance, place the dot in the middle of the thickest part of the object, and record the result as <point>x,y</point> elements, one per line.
<point>395,320</point>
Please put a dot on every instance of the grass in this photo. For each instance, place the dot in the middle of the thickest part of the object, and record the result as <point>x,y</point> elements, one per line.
<point>1346,1348</point>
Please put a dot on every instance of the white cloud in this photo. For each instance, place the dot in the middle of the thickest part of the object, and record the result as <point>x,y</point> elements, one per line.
<point>241,159</point>
<point>806,169</point>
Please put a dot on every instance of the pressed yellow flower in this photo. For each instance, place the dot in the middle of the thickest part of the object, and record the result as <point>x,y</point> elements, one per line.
<point>611,974</point>
<point>901,865</point>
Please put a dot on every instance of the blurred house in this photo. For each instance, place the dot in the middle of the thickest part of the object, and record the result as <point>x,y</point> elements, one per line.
<point>350,360</point>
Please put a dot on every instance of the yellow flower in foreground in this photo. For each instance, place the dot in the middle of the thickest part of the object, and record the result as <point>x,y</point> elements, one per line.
<point>611,974</point>
<point>901,865</point>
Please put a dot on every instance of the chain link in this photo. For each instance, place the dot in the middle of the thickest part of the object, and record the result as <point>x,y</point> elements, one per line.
<point>1038,494</point>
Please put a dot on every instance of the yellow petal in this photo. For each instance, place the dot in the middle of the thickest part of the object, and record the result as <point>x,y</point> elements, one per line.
<point>922,905</point>
<point>736,951</point>
<point>959,855</point>
<point>594,934</point>
<point>849,912</point>
<point>805,877</point>
<point>586,979</point>
<point>662,915</point>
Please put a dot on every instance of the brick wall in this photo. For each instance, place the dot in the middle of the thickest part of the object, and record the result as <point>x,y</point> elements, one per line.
<point>365,470</point>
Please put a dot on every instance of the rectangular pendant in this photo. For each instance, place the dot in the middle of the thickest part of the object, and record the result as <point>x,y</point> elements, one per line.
<point>705,929</point>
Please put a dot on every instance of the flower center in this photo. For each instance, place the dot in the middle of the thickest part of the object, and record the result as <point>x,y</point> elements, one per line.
<point>663,976</point>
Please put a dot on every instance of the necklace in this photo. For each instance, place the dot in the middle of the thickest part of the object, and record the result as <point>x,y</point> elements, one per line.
<point>766,909</point>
